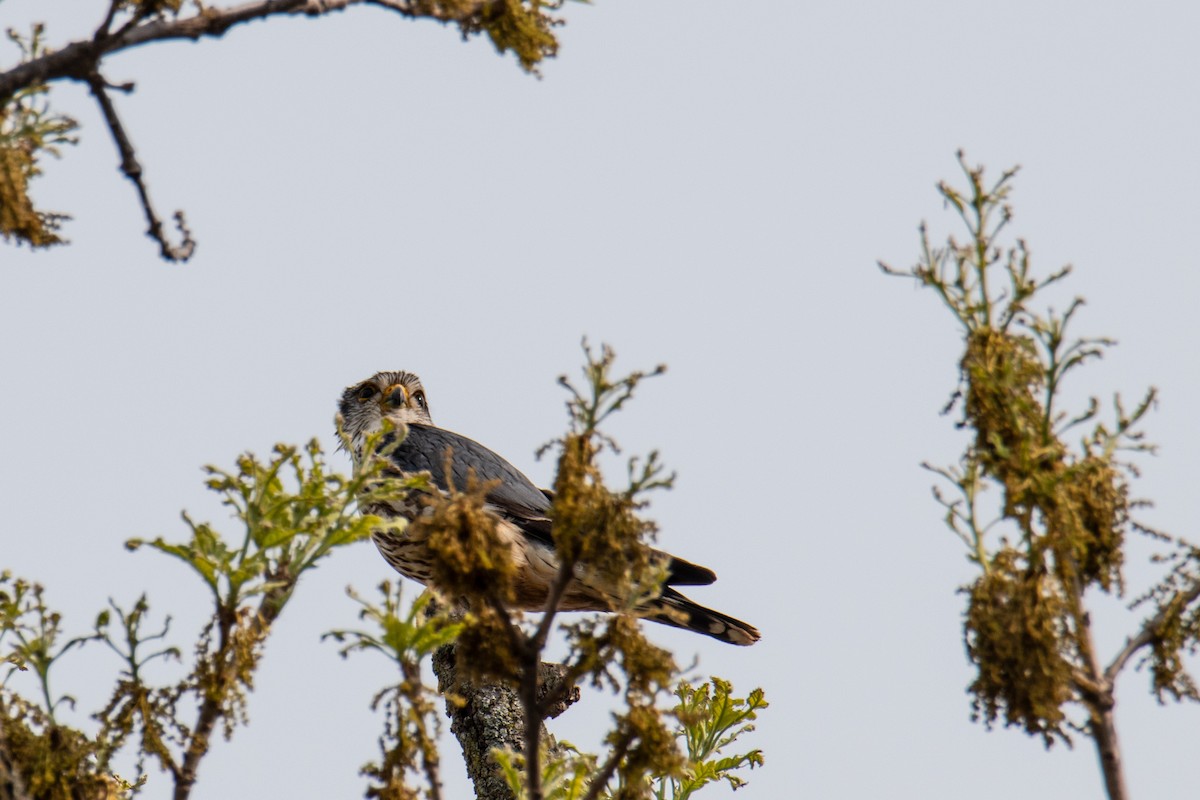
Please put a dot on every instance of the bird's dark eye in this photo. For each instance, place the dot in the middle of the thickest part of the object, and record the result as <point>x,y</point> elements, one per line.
<point>420,398</point>
<point>367,392</point>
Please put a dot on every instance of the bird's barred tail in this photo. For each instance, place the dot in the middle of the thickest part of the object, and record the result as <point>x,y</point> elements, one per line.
<point>675,610</point>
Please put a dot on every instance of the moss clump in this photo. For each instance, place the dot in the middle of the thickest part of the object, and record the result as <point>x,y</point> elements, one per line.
<point>19,220</point>
<point>524,28</point>
<point>469,558</point>
<point>1088,520</point>
<point>1003,374</point>
<point>472,564</point>
<point>50,761</point>
<point>596,526</point>
<point>1014,624</point>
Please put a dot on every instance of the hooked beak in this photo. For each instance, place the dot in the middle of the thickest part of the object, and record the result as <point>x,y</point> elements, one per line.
<point>394,397</point>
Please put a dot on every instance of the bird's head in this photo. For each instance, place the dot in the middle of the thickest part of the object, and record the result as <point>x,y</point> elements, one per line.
<point>394,396</point>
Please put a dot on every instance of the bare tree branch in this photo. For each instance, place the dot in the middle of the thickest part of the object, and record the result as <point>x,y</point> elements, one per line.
<point>106,26</point>
<point>143,24</point>
<point>133,170</point>
<point>79,59</point>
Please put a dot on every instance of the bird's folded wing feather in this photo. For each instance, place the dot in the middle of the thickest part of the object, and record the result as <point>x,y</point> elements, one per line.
<point>515,496</point>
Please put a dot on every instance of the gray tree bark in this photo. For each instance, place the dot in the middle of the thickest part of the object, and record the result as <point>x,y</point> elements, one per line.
<point>492,716</point>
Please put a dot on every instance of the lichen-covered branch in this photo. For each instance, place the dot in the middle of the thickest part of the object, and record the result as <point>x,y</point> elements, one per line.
<point>489,716</point>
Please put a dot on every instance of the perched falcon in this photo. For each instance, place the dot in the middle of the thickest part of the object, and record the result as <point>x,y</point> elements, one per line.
<point>523,511</point>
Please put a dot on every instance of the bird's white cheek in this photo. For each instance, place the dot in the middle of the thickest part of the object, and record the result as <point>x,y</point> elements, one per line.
<point>404,416</point>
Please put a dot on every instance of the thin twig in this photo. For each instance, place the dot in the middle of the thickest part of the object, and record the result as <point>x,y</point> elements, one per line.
<point>533,724</point>
<point>133,170</point>
<point>535,711</point>
<point>1148,633</point>
<point>430,764</point>
<point>601,779</point>
<point>431,767</point>
<point>566,571</point>
<point>210,710</point>
<point>106,26</point>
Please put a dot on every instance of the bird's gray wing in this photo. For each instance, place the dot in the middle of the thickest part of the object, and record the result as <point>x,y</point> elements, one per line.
<point>516,497</point>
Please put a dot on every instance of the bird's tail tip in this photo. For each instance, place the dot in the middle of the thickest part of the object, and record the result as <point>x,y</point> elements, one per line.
<point>678,611</point>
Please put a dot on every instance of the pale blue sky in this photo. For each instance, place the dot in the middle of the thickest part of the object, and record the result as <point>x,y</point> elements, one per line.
<point>706,185</point>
